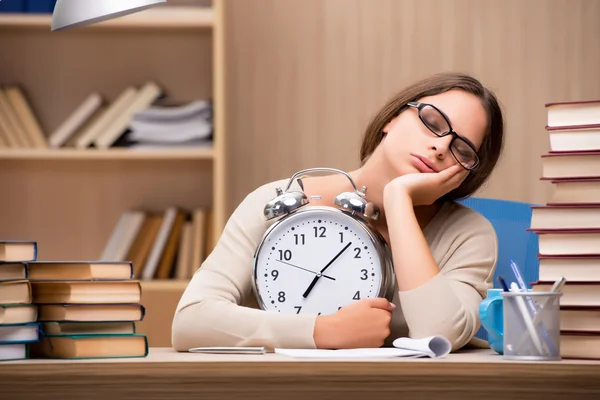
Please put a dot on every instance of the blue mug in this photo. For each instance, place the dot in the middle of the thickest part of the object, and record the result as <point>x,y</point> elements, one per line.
<point>491,314</point>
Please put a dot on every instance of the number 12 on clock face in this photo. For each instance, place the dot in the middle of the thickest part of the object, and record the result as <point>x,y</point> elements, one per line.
<point>316,262</point>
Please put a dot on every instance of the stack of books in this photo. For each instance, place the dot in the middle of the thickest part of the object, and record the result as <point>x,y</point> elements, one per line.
<point>67,309</point>
<point>18,315</point>
<point>568,226</point>
<point>177,125</point>
<point>87,309</point>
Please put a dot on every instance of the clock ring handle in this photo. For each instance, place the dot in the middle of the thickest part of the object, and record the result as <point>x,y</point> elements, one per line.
<point>354,202</point>
<point>323,169</point>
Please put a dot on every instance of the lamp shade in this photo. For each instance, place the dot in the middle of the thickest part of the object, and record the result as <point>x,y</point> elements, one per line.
<point>74,13</point>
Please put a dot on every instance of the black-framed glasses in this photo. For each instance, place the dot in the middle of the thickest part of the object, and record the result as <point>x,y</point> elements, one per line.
<point>436,121</point>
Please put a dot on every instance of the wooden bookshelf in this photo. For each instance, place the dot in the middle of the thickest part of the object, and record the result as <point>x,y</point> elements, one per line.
<point>69,200</point>
<point>162,17</point>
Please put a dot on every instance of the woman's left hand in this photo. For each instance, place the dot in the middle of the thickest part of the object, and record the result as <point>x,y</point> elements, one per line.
<point>425,188</point>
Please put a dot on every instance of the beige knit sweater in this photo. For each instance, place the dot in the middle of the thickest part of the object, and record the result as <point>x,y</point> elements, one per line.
<point>219,308</point>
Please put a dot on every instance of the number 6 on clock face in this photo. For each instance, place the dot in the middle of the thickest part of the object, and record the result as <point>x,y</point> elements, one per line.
<point>318,260</point>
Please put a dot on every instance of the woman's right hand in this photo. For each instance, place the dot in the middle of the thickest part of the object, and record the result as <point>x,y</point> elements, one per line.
<point>365,323</point>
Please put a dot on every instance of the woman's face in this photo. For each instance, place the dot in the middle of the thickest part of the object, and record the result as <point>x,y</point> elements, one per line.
<point>411,147</point>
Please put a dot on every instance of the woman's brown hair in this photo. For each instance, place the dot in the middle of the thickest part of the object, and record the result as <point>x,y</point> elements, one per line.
<point>491,146</point>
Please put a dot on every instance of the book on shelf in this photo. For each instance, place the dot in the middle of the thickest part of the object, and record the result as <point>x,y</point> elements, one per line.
<point>138,118</point>
<point>19,127</point>
<point>75,123</point>
<point>160,245</point>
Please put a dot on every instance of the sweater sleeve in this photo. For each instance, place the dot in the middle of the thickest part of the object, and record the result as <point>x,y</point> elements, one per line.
<point>448,304</point>
<point>211,311</point>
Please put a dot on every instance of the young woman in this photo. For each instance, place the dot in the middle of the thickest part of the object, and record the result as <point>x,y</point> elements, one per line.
<point>436,141</point>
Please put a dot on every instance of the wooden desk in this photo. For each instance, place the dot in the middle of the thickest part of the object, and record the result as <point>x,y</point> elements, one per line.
<point>165,374</point>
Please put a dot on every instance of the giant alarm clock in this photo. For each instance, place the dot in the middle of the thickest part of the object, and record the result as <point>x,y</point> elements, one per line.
<point>317,259</point>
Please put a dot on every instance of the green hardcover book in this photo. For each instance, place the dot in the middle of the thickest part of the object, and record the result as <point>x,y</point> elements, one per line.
<point>90,346</point>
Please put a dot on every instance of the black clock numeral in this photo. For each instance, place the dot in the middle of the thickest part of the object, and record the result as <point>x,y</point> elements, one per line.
<point>274,274</point>
<point>285,255</point>
<point>298,308</point>
<point>364,276</point>
<point>341,237</point>
<point>299,238</point>
<point>339,308</point>
<point>281,297</point>
<point>356,295</point>
<point>357,251</point>
<point>320,231</point>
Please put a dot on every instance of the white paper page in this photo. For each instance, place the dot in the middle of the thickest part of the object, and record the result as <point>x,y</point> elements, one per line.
<point>433,346</point>
<point>381,352</point>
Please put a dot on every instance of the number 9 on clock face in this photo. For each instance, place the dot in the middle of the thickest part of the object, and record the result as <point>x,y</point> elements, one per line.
<point>316,261</point>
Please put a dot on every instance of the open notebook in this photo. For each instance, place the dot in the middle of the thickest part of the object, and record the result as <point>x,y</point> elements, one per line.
<point>433,346</point>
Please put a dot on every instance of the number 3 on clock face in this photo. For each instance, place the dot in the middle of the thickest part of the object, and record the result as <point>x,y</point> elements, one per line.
<point>316,261</point>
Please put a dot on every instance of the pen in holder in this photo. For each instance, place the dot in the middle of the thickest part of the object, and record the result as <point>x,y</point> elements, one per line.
<point>523,338</point>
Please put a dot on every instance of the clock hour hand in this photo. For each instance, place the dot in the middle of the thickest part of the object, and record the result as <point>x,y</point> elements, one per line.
<point>307,270</point>
<point>316,278</point>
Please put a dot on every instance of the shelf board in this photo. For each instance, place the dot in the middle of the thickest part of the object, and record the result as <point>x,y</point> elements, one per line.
<point>110,154</point>
<point>169,17</point>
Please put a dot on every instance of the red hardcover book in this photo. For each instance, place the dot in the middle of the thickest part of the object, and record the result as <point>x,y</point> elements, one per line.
<point>569,113</point>
<point>574,137</point>
<point>570,164</point>
<point>573,267</point>
<point>568,241</point>
<point>564,216</point>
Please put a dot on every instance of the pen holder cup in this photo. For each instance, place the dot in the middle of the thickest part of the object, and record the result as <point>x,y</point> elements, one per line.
<point>531,325</point>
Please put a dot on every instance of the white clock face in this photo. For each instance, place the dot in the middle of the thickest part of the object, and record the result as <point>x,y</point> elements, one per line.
<point>316,262</point>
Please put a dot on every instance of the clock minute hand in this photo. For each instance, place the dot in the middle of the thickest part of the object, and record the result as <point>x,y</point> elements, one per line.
<point>316,278</point>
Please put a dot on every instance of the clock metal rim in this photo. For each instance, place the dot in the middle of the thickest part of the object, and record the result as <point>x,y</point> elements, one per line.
<point>388,277</point>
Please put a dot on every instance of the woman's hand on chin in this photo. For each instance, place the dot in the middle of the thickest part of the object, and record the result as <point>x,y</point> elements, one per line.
<point>424,188</point>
